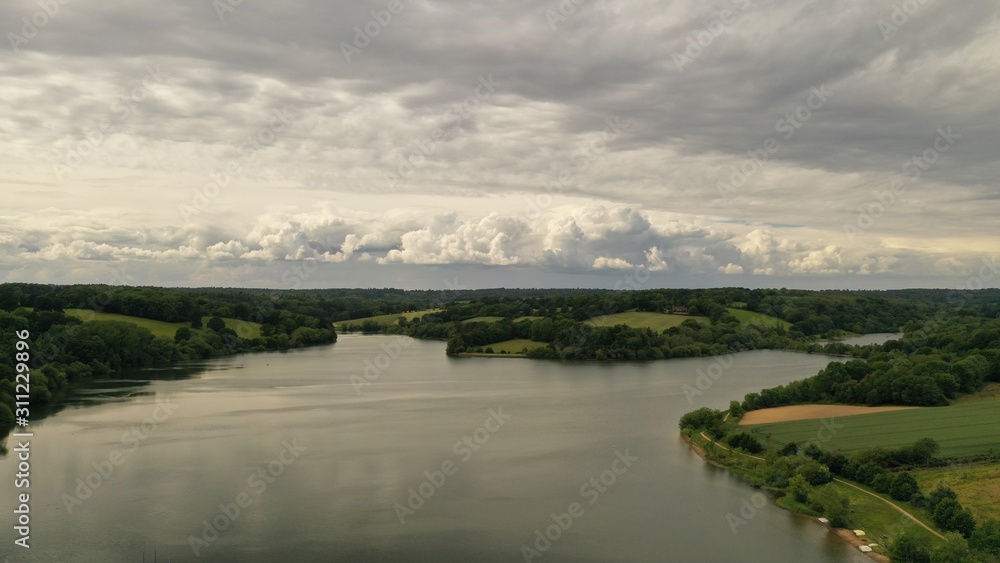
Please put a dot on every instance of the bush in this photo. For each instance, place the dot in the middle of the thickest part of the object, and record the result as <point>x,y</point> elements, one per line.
<point>882,483</point>
<point>903,487</point>
<point>950,516</point>
<point>6,416</point>
<point>833,504</point>
<point>699,419</point>
<point>986,538</point>
<point>183,333</point>
<point>815,473</point>
<point>746,442</point>
<point>909,550</point>
<point>799,488</point>
<point>216,324</point>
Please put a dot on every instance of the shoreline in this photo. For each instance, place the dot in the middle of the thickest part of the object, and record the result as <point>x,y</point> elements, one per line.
<point>845,535</point>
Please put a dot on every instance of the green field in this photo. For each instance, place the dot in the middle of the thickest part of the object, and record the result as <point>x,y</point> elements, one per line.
<point>758,319</point>
<point>878,518</point>
<point>978,486</point>
<point>657,322</point>
<point>387,320</point>
<point>961,430</point>
<point>515,346</point>
<point>244,329</point>
<point>483,320</point>
<point>528,318</point>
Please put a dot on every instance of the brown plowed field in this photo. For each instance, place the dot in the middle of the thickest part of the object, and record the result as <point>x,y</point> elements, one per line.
<point>809,412</point>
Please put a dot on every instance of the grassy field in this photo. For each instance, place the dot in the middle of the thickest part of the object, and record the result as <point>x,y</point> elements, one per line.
<point>158,328</point>
<point>657,322</point>
<point>387,320</point>
<point>244,329</point>
<point>878,518</point>
<point>978,486</point>
<point>483,320</point>
<point>758,319</point>
<point>961,430</point>
<point>528,318</point>
<point>989,393</point>
<point>515,346</point>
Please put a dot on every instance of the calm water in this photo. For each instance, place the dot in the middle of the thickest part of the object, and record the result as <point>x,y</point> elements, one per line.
<point>319,463</point>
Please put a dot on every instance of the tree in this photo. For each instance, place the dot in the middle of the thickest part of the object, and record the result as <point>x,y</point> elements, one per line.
<point>903,486</point>
<point>907,549</point>
<point>963,522</point>
<point>746,442</point>
<point>799,488</point>
<point>924,451</point>
<point>698,419</point>
<point>945,511</point>
<point>868,472</point>
<point>986,538</point>
<point>542,330</point>
<point>790,449</point>
<point>815,472</point>
<point>955,550</point>
<point>832,504</point>
<point>183,333</point>
<point>736,410</point>
<point>939,494</point>
<point>882,483</point>
<point>216,324</point>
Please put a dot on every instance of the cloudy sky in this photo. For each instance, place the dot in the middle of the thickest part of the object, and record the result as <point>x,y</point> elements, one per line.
<point>436,144</point>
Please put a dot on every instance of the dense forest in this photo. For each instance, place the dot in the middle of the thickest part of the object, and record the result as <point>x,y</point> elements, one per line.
<point>559,322</point>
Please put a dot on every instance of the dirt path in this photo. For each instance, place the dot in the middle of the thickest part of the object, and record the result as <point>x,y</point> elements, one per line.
<point>841,481</point>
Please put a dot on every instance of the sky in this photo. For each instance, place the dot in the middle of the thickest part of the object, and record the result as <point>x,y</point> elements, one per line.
<point>463,144</point>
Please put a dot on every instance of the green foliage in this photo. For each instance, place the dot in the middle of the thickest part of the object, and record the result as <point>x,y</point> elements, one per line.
<point>6,415</point>
<point>926,368</point>
<point>814,473</point>
<point>907,549</point>
<point>736,410</point>
<point>882,484</point>
<point>800,488</point>
<point>954,550</point>
<point>183,333</point>
<point>949,515</point>
<point>700,419</point>
<point>903,486</point>
<point>746,442</point>
<point>833,504</point>
<point>986,538</point>
<point>791,448</point>
<point>216,324</point>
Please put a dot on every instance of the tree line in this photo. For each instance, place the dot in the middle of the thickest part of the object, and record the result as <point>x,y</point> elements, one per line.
<point>924,368</point>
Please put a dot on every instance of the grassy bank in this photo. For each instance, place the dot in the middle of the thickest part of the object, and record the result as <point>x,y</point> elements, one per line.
<point>878,516</point>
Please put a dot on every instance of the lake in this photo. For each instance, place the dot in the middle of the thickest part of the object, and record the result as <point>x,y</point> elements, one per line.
<point>381,448</point>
